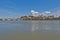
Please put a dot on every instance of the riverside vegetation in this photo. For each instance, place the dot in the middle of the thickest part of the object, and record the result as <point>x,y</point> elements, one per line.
<point>39,18</point>
<point>31,18</point>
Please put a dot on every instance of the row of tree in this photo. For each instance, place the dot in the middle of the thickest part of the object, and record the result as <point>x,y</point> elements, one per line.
<point>39,18</point>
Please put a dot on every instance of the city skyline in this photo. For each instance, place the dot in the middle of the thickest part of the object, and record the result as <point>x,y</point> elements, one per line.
<point>18,8</point>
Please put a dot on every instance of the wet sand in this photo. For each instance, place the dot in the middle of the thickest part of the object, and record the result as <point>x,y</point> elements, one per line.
<point>31,36</point>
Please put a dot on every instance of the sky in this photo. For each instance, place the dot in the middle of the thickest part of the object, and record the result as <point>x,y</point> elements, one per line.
<point>18,8</point>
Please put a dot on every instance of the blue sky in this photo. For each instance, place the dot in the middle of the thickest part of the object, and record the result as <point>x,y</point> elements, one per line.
<point>18,8</point>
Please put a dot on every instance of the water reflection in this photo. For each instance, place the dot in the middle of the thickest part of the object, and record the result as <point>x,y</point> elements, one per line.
<point>34,25</point>
<point>45,26</point>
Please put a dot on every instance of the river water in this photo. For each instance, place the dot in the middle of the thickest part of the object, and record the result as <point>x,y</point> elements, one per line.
<point>30,30</point>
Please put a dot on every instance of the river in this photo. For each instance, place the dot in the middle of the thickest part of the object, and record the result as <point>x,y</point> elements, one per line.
<point>30,30</point>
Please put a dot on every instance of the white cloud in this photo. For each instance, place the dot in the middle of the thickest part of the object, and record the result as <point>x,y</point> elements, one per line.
<point>56,11</point>
<point>34,13</point>
<point>47,12</point>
